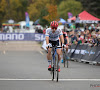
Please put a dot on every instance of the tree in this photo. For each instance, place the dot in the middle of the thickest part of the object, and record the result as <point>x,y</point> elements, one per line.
<point>92,6</point>
<point>17,9</point>
<point>66,6</point>
<point>3,9</point>
<point>43,21</point>
<point>36,7</point>
<point>52,13</point>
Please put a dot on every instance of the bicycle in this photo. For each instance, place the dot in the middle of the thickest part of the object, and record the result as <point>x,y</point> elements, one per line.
<point>65,57</point>
<point>54,63</point>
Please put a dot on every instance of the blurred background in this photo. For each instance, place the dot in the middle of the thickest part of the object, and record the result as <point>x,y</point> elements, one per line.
<point>13,13</point>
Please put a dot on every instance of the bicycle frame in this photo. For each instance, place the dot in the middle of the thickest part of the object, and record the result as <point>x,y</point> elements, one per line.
<point>54,63</point>
<point>65,56</point>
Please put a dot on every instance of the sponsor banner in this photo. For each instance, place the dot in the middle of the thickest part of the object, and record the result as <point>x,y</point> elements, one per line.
<point>85,52</point>
<point>73,49</point>
<point>79,52</point>
<point>97,54</point>
<point>21,37</point>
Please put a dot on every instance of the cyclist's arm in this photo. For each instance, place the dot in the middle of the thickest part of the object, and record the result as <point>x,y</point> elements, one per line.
<point>62,39</point>
<point>67,40</point>
<point>61,36</point>
<point>47,36</point>
<point>47,40</point>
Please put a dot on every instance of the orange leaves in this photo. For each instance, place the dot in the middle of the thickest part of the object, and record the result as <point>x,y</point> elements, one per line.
<point>52,10</point>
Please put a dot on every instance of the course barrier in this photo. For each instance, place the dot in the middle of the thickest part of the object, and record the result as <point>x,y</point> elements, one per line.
<point>82,53</point>
<point>85,53</point>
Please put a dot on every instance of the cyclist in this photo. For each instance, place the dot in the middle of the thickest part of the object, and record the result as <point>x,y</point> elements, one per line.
<point>52,37</point>
<point>66,42</point>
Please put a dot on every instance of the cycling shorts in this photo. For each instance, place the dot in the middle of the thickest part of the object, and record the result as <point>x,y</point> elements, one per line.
<point>54,43</point>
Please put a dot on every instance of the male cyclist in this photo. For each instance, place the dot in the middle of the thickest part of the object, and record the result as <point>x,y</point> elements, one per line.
<point>52,38</point>
<point>66,42</point>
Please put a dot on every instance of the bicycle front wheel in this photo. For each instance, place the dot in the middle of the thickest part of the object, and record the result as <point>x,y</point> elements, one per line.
<point>57,65</point>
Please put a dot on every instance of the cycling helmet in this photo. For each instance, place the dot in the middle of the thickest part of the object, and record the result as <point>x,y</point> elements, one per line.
<point>54,24</point>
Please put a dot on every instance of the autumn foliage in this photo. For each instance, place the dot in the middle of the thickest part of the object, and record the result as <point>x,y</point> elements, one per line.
<point>52,13</point>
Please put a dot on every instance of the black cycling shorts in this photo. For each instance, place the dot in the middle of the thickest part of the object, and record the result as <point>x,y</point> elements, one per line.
<point>54,43</point>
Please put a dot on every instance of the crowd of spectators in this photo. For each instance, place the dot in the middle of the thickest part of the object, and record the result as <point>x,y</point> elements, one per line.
<point>90,34</point>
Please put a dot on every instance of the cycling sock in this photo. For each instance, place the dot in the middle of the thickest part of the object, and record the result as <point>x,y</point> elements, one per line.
<point>49,62</point>
<point>61,57</point>
<point>58,63</point>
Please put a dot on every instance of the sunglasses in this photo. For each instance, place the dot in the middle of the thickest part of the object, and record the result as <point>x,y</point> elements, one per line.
<point>54,27</point>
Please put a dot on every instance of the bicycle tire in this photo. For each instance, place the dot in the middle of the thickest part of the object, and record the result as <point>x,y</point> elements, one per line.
<point>64,59</point>
<point>52,69</point>
<point>67,61</point>
<point>53,73</point>
<point>57,67</point>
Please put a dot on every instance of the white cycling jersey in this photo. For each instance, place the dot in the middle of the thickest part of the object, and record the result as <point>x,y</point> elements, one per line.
<point>53,36</point>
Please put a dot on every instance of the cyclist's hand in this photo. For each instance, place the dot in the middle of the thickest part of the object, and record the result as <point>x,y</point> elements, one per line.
<point>48,45</point>
<point>63,46</point>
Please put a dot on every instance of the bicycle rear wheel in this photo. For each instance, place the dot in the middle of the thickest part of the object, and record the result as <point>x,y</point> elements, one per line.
<point>64,59</point>
<point>67,61</point>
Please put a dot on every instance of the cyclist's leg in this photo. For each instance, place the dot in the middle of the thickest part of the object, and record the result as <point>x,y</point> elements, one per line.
<point>67,47</point>
<point>49,59</point>
<point>59,54</point>
<point>59,57</point>
<point>49,54</point>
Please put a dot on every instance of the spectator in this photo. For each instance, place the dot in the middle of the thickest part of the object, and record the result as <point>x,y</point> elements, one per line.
<point>86,27</point>
<point>44,30</point>
<point>88,36</point>
<point>98,40</point>
<point>81,38</point>
<point>94,40</point>
<point>73,39</point>
<point>91,27</point>
<point>72,26</point>
<point>36,30</point>
<point>77,21</point>
<point>40,30</point>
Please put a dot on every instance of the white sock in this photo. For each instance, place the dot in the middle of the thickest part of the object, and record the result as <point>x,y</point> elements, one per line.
<point>49,62</point>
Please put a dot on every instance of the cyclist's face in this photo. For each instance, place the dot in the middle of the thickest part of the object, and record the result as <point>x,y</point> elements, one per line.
<point>53,29</point>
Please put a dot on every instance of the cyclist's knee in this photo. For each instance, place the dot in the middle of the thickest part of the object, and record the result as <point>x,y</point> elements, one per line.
<point>59,53</point>
<point>66,47</point>
<point>49,50</point>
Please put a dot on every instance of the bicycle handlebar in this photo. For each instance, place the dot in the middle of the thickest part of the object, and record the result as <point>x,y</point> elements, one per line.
<point>55,47</point>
